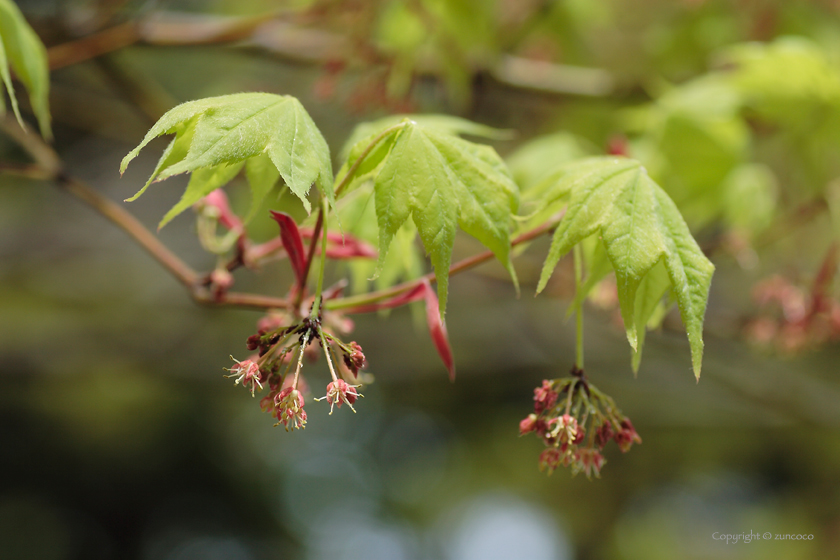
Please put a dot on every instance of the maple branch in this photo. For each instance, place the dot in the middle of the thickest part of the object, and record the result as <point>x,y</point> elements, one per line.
<point>51,168</point>
<point>132,226</point>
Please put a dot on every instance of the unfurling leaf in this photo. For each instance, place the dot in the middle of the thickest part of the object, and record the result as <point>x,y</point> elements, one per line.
<point>437,329</point>
<point>441,182</point>
<point>228,130</point>
<point>21,48</point>
<point>292,243</point>
<point>640,228</point>
<point>218,199</point>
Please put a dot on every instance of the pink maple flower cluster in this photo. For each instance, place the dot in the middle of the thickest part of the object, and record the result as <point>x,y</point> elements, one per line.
<point>278,362</point>
<point>575,421</point>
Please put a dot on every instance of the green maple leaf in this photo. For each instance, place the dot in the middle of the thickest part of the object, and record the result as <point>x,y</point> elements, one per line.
<point>220,132</point>
<point>646,241</point>
<point>21,49</point>
<point>441,182</point>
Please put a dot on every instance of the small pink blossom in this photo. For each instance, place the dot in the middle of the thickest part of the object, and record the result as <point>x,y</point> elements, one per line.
<point>550,459</point>
<point>528,425</point>
<point>603,434</point>
<point>248,373</point>
<point>589,461</point>
<point>627,436</point>
<point>544,397</point>
<point>288,409</point>
<point>566,430</point>
<point>355,360</point>
<point>339,392</point>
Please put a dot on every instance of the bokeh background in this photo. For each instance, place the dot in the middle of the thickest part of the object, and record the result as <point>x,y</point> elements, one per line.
<point>119,437</point>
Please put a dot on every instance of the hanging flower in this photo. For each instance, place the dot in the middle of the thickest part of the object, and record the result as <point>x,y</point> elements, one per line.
<point>288,409</point>
<point>247,373</point>
<point>340,392</point>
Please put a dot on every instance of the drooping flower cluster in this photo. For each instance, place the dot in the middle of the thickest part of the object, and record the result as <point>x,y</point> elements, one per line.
<point>279,360</point>
<point>575,421</point>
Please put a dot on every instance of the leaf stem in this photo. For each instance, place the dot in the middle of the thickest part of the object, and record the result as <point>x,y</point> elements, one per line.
<point>578,309</point>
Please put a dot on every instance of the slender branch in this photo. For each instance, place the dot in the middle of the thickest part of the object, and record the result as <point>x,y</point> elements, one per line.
<point>50,164</point>
<point>27,171</point>
<point>460,266</point>
<point>43,154</point>
<point>159,29</point>
<point>238,299</point>
<point>92,46</point>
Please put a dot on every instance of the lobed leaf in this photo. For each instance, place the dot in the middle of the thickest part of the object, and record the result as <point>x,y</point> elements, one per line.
<point>441,182</point>
<point>232,129</point>
<point>21,49</point>
<point>640,228</point>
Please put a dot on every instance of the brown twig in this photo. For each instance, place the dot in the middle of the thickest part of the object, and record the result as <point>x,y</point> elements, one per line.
<point>132,226</point>
<point>92,46</point>
<point>51,168</point>
<point>50,164</point>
